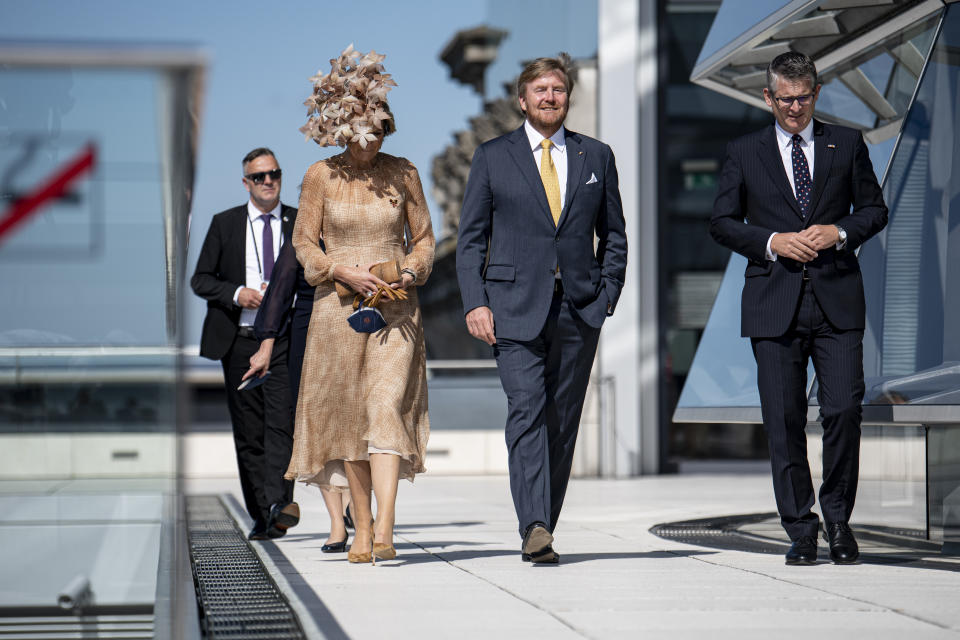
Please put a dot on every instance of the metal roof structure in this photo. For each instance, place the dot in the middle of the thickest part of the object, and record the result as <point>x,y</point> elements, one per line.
<point>869,54</point>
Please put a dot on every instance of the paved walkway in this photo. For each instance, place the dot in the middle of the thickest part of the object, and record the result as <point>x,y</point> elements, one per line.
<point>459,575</point>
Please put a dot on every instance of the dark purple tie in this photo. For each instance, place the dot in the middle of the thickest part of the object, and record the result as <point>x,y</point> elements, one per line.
<point>267,247</point>
<point>801,175</point>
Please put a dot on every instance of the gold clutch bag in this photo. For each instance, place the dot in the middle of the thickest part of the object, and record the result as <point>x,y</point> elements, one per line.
<point>388,271</point>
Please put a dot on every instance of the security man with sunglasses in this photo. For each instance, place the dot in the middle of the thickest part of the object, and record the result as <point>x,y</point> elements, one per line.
<point>232,274</point>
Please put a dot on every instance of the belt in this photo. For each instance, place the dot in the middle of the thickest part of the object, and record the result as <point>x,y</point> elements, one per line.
<point>805,275</point>
<point>246,332</point>
<point>557,286</point>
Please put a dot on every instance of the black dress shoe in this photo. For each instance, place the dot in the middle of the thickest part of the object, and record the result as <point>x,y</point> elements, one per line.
<point>537,545</point>
<point>259,530</point>
<point>335,547</point>
<point>803,551</point>
<point>347,520</point>
<point>843,546</point>
<point>282,517</point>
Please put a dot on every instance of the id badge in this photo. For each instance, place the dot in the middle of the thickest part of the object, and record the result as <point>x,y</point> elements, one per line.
<point>263,286</point>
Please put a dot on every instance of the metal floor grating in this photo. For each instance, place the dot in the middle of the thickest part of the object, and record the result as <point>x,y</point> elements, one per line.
<point>237,597</point>
<point>762,533</point>
<point>722,533</point>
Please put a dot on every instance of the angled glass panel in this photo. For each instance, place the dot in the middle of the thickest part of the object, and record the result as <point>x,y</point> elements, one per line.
<point>732,21</point>
<point>873,88</point>
<point>912,271</point>
<point>723,373</point>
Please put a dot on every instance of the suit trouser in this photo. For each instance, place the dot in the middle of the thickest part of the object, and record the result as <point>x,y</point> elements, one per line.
<point>782,381</point>
<point>545,380</point>
<point>262,420</point>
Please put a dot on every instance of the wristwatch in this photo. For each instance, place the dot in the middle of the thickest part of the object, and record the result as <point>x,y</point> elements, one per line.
<point>842,241</point>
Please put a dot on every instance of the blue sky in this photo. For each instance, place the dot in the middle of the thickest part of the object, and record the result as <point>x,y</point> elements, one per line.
<point>260,56</point>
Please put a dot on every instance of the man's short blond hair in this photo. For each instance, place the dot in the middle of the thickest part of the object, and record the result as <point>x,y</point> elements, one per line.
<point>540,66</point>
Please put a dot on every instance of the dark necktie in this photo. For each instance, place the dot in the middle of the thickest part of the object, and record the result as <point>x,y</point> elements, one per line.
<point>801,175</point>
<point>267,247</point>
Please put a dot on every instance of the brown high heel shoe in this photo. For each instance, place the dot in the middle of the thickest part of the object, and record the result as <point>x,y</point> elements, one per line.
<point>384,551</point>
<point>359,556</point>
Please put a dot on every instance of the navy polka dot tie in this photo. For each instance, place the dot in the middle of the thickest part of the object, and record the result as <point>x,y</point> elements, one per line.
<point>802,185</point>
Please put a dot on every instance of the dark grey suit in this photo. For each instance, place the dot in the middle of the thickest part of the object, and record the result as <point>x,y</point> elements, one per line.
<point>791,320</point>
<point>507,254</point>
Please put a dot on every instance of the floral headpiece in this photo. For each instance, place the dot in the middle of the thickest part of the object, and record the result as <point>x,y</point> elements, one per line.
<point>349,104</point>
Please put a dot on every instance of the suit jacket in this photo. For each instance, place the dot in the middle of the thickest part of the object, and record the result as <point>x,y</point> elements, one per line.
<point>508,247</point>
<point>754,188</point>
<point>221,268</point>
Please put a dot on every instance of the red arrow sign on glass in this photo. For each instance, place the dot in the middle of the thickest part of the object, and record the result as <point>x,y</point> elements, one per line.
<point>53,187</point>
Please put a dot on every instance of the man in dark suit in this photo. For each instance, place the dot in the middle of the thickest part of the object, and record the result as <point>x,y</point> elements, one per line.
<point>232,274</point>
<point>803,293</point>
<point>535,289</point>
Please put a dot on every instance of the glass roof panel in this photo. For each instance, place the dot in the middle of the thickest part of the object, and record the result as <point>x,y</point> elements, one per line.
<point>731,22</point>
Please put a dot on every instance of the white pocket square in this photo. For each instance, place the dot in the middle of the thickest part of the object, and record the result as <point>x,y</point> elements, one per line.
<point>592,179</point>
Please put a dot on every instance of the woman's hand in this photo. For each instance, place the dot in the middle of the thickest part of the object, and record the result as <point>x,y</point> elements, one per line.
<point>405,281</point>
<point>260,361</point>
<point>359,278</point>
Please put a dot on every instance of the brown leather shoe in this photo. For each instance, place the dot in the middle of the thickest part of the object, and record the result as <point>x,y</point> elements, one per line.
<point>537,545</point>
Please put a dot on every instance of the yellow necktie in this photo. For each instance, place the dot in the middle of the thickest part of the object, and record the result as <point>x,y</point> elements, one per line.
<point>548,173</point>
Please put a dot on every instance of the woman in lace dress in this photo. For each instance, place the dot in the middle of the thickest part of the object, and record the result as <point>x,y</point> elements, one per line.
<point>362,410</point>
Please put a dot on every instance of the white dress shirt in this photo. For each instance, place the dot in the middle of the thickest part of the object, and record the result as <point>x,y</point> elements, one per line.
<point>785,145</point>
<point>558,152</point>
<point>254,254</point>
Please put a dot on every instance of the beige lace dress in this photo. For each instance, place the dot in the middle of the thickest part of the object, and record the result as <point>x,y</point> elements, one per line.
<point>361,392</point>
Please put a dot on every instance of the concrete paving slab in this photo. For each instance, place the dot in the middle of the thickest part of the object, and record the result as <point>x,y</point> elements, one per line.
<point>458,571</point>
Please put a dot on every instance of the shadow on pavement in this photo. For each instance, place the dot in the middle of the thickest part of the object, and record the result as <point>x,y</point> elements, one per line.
<point>565,558</point>
<point>322,616</point>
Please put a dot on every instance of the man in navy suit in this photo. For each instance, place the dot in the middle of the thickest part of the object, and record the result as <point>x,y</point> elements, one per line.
<point>232,274</point>
<point>810,198</point>
<point>535,287</point>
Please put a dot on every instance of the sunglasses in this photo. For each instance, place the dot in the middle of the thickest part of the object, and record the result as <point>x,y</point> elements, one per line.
<point>260,176</point>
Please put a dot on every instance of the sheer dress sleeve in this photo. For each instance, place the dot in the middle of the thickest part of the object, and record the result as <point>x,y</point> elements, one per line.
<point>308,230</point>
<point>419,258</point>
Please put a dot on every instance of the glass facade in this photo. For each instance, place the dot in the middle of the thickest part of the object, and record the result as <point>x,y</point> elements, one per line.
<point>910,466</point>
<point>912,350</point>
<point>92,234</point>
<point>723,373</point>
<point>697,124</point>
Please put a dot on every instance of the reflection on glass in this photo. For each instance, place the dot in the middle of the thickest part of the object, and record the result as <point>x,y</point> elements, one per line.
<point>96,252</point>
<point>874,88</point>
<point>836,98</point>
<point>944,483</point>
<point>88,359</point>
<point>723,373</point>
<point>911,347</point>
